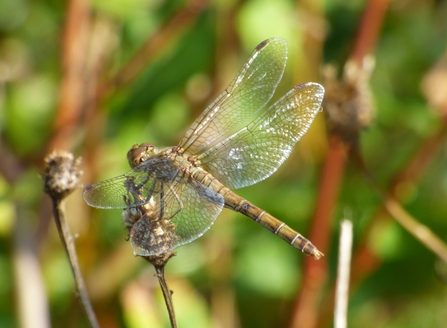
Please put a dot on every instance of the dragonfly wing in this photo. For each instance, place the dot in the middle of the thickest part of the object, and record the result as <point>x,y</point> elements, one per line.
<point>152,232</point>
<point>127,190</point>
<point>201,206</point>
<point>256,151</point>
<point>248,93</point>
<point>181,214</point>
<point>131,189</point>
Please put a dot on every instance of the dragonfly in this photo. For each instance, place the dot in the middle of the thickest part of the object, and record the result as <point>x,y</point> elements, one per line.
<point>172,196</point>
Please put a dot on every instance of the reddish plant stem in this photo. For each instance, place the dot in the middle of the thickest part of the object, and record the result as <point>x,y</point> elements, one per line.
<point>369,29</point>
<point>306,312</point>
<point>421,159</point>
<point>74,61</point>
<point>306,307</point>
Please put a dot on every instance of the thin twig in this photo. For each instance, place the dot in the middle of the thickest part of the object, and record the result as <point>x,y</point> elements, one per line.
<point>343,273</point>
<point>159,262</point>
<point>414,227</point>
<point>167,294</point>
<point>61,178</point>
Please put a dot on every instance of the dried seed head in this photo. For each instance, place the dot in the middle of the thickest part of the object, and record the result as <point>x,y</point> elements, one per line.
<point>62,174</point>
<point>348,102</point>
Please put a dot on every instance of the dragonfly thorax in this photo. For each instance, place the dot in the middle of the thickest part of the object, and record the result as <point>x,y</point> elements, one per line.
<point>140,153</point>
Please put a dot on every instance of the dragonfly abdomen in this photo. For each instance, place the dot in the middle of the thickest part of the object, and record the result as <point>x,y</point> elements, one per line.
<point>271,223</point>
<point>239,204</point>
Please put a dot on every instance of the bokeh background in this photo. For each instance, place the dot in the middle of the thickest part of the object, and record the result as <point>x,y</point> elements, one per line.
<point>95,77</point>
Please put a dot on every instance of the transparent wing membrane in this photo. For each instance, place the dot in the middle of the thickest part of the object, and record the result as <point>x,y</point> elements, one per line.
<point>246,95</point>
<point>256,151</point>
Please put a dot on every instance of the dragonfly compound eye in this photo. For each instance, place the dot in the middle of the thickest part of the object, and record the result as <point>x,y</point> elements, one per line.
<point>139,153</point>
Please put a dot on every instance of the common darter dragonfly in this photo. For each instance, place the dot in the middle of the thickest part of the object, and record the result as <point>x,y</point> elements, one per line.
<point>173,196</point>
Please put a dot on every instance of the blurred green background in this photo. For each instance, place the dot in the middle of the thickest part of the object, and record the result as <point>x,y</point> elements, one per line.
<point>73,77</point>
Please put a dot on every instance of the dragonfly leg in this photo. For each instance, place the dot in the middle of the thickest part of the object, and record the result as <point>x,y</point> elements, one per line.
<point>136,192</point>
<point>177,198</point>
<point>162,202</point>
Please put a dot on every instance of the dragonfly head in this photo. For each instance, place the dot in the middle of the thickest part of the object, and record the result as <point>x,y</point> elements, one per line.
<point>140,153</point>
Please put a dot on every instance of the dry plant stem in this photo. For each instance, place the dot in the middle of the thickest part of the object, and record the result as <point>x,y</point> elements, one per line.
<point>30,296</point>
<point>67,240</point>
<point>306,307</point>
<point>167,294</point>
<point>418,230</point>
<point>61,177</point>
<point>159,263</point>
<point>343,273</point>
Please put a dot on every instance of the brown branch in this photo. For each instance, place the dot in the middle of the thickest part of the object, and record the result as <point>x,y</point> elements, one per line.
<point>159,262</point>
<point>73,86</point>
<point>369,30</point>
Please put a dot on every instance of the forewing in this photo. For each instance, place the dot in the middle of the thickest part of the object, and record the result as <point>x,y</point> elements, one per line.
<point>133,188</point>
<point>249,92</point>
<point>127,190</point>
<point>256,151</point>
